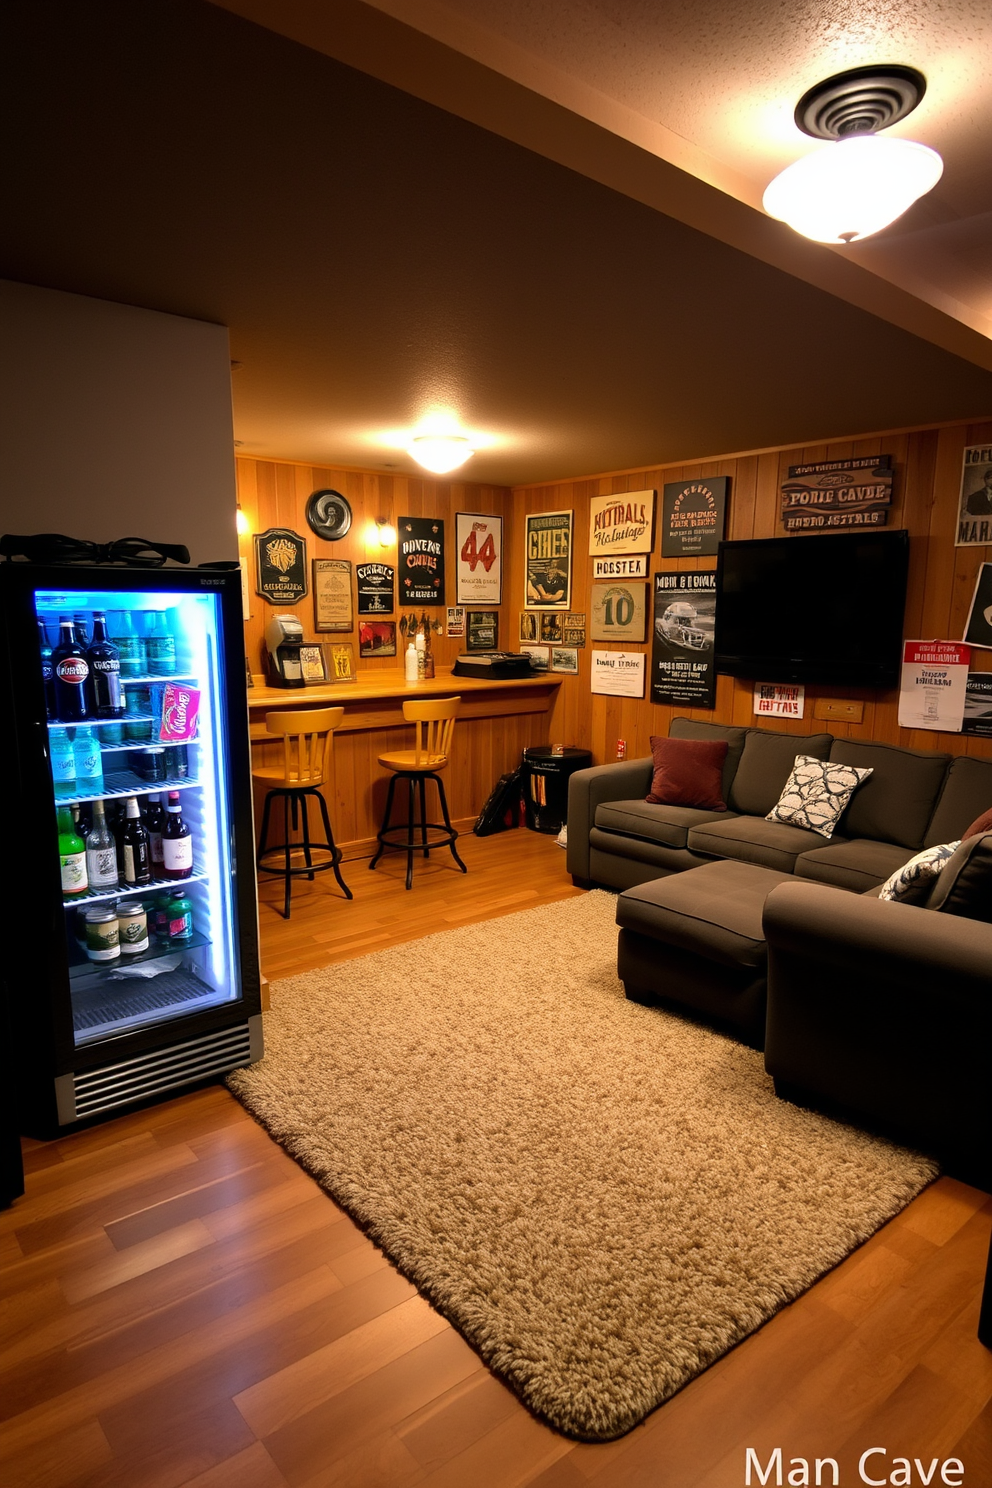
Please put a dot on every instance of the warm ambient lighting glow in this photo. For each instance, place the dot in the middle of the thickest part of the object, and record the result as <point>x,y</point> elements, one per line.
<point>440,453</point>
<point>853,187</point>
<point>242,522</point>
<point>380,534</point>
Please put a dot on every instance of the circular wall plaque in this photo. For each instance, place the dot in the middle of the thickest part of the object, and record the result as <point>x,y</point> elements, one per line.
<point>328,514</point>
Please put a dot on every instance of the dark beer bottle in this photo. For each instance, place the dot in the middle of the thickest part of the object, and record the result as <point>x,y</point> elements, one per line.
<point>137,848</point>
<point>70,673</point>
<point>45,647</point>
<point>105,671</point>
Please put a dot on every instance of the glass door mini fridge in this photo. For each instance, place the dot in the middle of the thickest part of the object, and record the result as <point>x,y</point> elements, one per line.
<point>132,947</point>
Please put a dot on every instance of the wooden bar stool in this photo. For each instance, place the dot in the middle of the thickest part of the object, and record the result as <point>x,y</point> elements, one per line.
<point>306,737</point>
<point>435,720</point>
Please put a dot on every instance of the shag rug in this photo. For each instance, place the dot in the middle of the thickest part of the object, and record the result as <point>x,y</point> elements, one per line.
<point>601,1197</point>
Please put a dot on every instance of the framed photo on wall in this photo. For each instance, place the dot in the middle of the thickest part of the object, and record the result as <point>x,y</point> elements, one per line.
<point>313,664</point>
<point>340,661</point>
<point>482,630</point>
<point>377,637</point>
<point>332,606</point>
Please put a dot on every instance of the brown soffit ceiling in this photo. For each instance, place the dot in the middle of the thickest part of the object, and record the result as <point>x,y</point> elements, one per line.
<point>376,255</point>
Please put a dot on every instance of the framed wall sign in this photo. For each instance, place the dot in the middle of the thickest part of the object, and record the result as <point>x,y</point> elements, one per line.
<point>974,527</point>
<point>538,657</point>
<point>618,673</point>
<point>551,626</point>
<point>421,560</point>
<point>377,637</point>
<point>376,592</point>
<point>332,608</point>
<point>481,630</point>
<point>619,612</point>
<point>978,630</point>
<point>837,493</point>
<point>548,559</point>
<point>340,661</point>
<point>456,620</point>
<point>621,524</point>
<point>633,567</point>
<point>280,565</point>
<point>313,664</point>
<point>682,669</point>
<point>573,630</point>
<point>479,567</point>
<point>529,625</point>
<point>693,516</point>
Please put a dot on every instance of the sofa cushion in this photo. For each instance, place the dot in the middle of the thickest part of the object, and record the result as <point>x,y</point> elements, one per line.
<point>912,883</point>
<point>688,772</point>
<point>896,803</point>
<point>667,824</point>
<point>965,885</point>
<point>861,865</point>
<point>766,763</point>
<point>692,728</point>
<point>714,911</point>
<point>967,794</point>
<point>751,839</point>
<point>816,794</point>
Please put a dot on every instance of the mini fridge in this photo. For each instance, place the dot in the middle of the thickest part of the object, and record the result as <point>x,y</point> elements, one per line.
<point>129,986</point>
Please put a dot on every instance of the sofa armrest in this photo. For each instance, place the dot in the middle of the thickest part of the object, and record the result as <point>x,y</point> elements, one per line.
<point>587,789</point>
<point>868,939</point>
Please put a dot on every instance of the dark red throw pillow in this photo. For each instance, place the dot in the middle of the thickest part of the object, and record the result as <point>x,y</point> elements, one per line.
<point>983,824</point>
<point>687,772</point>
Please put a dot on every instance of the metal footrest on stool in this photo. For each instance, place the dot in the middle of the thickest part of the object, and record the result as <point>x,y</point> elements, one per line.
<point>415,833</point>
<point>295,799</point>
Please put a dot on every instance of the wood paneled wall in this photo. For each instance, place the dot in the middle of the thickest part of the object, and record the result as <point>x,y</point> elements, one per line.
<point>275,494</point>
<point>927,466</point>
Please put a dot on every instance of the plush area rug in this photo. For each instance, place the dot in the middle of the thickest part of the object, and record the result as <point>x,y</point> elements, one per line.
<point>601,1197</point>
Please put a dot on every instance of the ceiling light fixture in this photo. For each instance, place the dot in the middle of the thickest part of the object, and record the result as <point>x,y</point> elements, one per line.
<point>440,453</point>
<point>858,184</point>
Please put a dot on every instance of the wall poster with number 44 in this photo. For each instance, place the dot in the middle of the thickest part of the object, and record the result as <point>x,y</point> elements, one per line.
<point>479,570</point>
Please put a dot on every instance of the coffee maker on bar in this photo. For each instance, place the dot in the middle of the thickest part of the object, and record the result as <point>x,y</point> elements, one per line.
<point>283,639</point>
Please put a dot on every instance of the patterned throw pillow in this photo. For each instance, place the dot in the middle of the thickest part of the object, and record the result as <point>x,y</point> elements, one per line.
<point>911,883</point>
<point>816,794</point>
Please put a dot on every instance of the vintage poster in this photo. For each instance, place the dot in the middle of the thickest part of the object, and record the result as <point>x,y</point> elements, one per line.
<point>978,705</point>
<point>551,626</point>
<point>456,620</point>
<point>538,657</point>
<point>682,669</point>
<point>313,665</point>
<point>376,593</point>
<point>573,630</point>
<point>693,516</point>
<point>340,661</point>
<point>618,673</point>
<point>548,559</point>
<point>421,560</point>
<point>280,565</point>
<point>377,637</point>
<point>837,493</point>
<point>530,625</point>
<point>633,567</point>
<point>621,524</point>
<point>932,686</point>
<point>974,524</point>
<point>779,699</point>
<point>618,612</point>
<point>482,630</point>
<point>978,631</point>
<point>565,659</point>
<point>332,609</point>
<point>479,569</point>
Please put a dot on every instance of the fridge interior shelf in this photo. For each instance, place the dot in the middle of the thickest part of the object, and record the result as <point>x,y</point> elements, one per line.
<point>80,964</point>
<point>128,682</point>
<point>126,783</point>
<point>134,892</point>
<point>116,1005</point>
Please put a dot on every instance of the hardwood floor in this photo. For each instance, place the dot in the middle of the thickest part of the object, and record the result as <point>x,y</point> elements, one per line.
<point>183,1306</point>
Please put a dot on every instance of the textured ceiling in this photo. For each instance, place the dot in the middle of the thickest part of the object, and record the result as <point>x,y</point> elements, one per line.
<point>376,257</point>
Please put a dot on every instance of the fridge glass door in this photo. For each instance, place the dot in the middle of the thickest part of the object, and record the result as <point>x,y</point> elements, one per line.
<point>168,947</point>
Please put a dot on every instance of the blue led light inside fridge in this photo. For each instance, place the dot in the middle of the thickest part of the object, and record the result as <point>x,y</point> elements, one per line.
<point>168,637</point>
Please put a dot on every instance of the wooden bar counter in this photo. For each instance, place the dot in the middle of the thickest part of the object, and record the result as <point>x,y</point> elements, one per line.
<point>498,720</point>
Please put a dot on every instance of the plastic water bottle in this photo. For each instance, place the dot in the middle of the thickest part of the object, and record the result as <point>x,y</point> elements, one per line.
<point>63,761</point>
<point>161,645</point>
<point>128,643</point>
<point>89,763</point>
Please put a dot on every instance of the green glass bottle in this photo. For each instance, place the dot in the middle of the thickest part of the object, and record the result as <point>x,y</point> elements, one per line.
<point>72,856</point>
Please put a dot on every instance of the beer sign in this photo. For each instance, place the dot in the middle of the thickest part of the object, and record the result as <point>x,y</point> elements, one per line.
<point>421,561</point>
<point>621,524</point>
<point>693,516</point>
<point>837,493</point>
<point>280,565</point>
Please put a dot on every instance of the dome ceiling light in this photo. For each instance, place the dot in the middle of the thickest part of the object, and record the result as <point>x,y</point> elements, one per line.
<point>858,184</point>
<point>440,453</point>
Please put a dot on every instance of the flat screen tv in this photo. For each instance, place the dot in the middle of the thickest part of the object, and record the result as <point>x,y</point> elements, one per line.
<point>826,608</point>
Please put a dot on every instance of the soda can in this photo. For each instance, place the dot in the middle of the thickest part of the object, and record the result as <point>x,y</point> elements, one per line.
<point>180,913</point>
<point>152,763</point>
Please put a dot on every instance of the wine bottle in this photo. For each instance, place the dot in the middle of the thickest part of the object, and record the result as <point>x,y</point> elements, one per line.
<point>137,848</point>
<point>177,841</point>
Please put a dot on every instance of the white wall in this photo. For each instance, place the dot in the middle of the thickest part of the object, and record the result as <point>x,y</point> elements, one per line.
<point>114,422</point>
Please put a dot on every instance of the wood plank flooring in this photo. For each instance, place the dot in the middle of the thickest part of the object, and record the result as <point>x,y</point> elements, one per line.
<point>182,1307</point>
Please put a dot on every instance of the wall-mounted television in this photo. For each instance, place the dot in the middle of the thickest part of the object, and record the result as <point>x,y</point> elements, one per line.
<point>825,608</point>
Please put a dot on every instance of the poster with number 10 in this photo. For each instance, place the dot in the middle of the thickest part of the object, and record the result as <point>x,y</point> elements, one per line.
<point>479,570</point>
